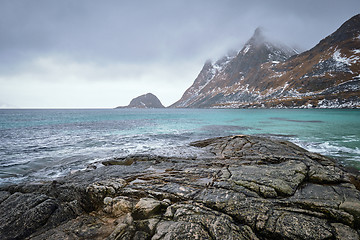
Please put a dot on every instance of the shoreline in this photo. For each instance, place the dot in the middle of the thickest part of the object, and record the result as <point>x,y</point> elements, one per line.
<point>250,188</point>
<point>344,160</point>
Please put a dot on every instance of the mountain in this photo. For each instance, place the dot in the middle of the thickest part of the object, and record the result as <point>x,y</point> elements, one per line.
<point>222,81</point>
<point>148,100</point>
<point>266,74</point>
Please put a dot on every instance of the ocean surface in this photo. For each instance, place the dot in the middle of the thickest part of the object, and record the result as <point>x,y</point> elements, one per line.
<point>46,144</point>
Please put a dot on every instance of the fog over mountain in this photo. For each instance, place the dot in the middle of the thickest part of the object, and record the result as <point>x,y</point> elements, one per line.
<point>271,75</point>
<point>89,54</point>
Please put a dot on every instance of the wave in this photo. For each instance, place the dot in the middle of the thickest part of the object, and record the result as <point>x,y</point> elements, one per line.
<point>328,148</point>
<point>53,143</point>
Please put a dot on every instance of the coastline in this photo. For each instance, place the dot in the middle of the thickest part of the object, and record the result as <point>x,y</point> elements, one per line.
<point>249,188</point>
<point>40,145</point>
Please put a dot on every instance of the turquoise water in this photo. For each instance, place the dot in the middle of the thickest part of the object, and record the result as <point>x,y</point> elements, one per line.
<point>45,144</point>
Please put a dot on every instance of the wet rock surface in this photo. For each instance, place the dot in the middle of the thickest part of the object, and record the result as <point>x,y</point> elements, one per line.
<point>250,188</point>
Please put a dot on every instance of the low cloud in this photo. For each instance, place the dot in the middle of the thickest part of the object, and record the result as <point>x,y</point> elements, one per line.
<point>47,81</point>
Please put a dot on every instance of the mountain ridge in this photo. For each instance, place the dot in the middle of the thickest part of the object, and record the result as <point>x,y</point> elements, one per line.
<point>264,74</point>
<point>227,71</point>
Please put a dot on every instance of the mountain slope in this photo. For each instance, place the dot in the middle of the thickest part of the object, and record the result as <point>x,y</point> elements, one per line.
<point>264,74</point>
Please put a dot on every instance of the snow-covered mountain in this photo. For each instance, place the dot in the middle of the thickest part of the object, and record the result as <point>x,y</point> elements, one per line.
<point>265,74</point>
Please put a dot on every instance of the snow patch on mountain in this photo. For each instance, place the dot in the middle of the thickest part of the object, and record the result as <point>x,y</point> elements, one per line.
<point>343,59</point>
<point>335,103</point>
<point>214,70</point>
<point>277,74</point>
<point>246,49</point>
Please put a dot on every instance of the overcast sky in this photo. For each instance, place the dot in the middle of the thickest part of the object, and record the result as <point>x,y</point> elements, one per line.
<point>101,54</point>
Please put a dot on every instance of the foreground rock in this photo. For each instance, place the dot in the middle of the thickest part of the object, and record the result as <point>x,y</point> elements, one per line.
<point>251,188</point>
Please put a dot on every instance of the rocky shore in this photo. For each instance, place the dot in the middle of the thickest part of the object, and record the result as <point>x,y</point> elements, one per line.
<point>246,188</point>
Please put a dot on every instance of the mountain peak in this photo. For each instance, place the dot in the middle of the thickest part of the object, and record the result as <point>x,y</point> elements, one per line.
<point>258,32</point>
<point>257,38</point>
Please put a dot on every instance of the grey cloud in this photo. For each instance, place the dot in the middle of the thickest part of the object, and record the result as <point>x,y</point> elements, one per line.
<point>148,30</point>
<point>161,33</point>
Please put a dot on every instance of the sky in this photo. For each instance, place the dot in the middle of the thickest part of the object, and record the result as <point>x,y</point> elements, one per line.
<point>101,54</point>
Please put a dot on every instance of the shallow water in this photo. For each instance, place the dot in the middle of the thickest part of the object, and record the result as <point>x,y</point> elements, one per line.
<point>45,144</point>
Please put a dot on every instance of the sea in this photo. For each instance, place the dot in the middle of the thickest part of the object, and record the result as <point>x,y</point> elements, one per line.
<point>45,144</point>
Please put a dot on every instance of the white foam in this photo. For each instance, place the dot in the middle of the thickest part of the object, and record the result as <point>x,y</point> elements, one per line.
<point>348,139</point>
<point>328,148</point>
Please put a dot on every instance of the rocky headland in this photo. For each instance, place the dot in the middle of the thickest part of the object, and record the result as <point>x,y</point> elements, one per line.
<point>247,187</point>
<point>148,100</point>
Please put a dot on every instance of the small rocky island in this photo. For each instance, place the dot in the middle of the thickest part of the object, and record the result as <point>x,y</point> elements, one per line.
<point>148,100</point>
<point>247,187</point>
